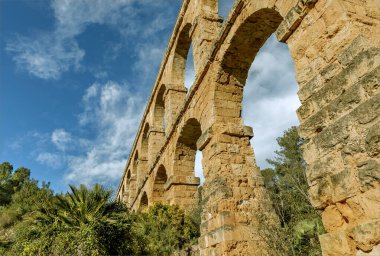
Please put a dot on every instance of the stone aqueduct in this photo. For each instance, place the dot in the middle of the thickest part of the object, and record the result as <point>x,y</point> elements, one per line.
<point>335,45</point>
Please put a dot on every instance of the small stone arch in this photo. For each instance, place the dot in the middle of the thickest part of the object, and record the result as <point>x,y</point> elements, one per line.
<point>135,161</point>
<point>144,202</point>
<point>180,56</point>
<point>247,41</point>
<point>159,115</point>
<point>144,147</point>
<point>131,183</point>
<point>136,169</point>
<point>183,175</point>
<point>160,180</point>
<point>186,148</point>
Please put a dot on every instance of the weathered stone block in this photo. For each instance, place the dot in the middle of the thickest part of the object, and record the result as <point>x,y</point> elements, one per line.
<point>344,185</point>
<point>333,219</point>
<point>320,194</point>
<point>369,174</point>
<point>358,45</point>
<point>337,243</point>
<point>373,141</point>
<point>366,235</point>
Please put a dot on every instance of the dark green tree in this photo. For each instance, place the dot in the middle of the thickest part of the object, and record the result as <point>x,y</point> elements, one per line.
<point>11,182</point>
<point>287,186</point>
<point>165,229</point>
<point>20,197</point>
<point>81,222</point>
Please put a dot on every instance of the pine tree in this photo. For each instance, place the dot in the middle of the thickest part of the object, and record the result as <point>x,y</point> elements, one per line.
<point>287,186</point>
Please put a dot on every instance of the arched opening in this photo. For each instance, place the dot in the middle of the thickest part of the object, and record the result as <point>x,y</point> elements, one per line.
<point>187,146</point>
<point>135,169</point>
<point>159,184</point>
<point>189,69</point>
<point>144,143</point>
<point>144,202</point>
<point>270,98</point>
<point>183,64</point>
<point>247,41</point>
<point>198,169</point>
<point>182,177</point>
<point>261,65</point>
<point>124,194</point>
<point>131,182</point>
<point>159,110</point>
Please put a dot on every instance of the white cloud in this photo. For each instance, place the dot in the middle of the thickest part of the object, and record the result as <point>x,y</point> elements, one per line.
<point>270,98</point>
<point>54,161</point>
<point>149,59</point>
<point>115,112</point>
<point>47,55</point>
<point>61,139</point>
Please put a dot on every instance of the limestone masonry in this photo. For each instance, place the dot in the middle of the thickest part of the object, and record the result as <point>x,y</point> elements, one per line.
<point>335,45</point>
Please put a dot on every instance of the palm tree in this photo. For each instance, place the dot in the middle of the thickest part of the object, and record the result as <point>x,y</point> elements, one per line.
<point>80,207</point>
<point>85,221</point>
<point>85,206</point>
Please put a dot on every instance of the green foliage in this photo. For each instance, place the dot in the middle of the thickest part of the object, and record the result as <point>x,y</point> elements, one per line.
<point>84,221</point>
<point>165,229</point>
<point>19,198</point>
<point>81,222</point>
<point>287,186</point>
<point>10,182</point>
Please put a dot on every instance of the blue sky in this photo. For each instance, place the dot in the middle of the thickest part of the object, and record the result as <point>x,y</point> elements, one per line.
<point>75,76</point>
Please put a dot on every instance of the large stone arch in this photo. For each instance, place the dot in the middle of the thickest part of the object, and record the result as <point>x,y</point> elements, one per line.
<point>159,186</point>
<point>182,175</point>
<point>322,74</point>
<point>335,46</point>
<point>233,182</point>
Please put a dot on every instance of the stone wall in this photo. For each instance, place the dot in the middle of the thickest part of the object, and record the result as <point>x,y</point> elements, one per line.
<point>335,45</point>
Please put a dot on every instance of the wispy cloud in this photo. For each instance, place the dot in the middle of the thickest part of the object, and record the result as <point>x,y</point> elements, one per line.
<point>149,59</point>
<point>270,98</point>
<point>61,139</point>
<point>46,57</point>
<point>51,160</point>
<point>115,113</point>
<point>49,54</point>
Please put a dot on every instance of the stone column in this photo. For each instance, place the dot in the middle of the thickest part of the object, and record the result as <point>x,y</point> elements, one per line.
<point>181,190</point>
<point>132,190</point>
<point>141,169</point>
<point>203,33</point>
<point>174,98</point>
<point>156,138</point>
<point>336,51</point>
<point>236,206</point>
